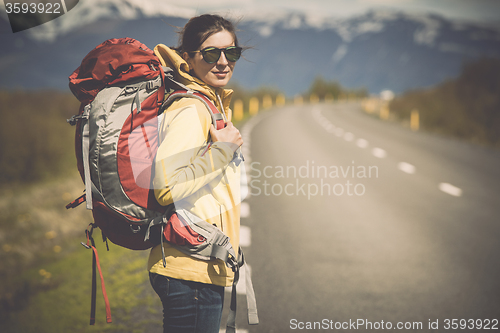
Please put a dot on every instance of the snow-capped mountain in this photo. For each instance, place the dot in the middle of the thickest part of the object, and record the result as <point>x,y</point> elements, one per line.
<point>90,11</point>
<point>379,50</point>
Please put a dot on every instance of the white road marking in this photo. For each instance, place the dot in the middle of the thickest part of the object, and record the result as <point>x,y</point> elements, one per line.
<point>245,209</point>
<point>406,167</point>
<point>450,189</point>
<point>329,127</point>
<point>246,140</point>
<point>244,189</point>
<point>245,149</point>
<point>245,236</point>
<point>348,136</point>
<point>379,152</point>
<point>223,330</point>
<point>323,121</point>
<point>362,143</point>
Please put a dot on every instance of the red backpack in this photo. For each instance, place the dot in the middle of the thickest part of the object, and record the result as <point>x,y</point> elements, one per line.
<point>122,86</point>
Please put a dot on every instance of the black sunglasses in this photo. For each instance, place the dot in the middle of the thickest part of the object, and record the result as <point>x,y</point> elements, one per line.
<point>212,54</point>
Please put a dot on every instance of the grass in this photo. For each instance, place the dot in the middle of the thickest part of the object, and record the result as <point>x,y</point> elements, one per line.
<point>61,303</point>
<point>46,273</point>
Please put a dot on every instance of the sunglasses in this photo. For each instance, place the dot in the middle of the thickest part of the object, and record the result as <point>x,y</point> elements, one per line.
<point>212,54</point>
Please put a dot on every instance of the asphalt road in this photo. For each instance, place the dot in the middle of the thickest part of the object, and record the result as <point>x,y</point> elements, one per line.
<point>361,224</point>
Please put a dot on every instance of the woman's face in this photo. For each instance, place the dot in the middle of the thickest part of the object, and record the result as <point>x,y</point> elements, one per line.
<point>219,73</point>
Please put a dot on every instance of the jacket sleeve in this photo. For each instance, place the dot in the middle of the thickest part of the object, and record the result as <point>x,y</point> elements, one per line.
<point>183,163</point>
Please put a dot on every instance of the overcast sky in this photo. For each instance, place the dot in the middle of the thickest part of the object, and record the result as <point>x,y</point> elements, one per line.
<point>470,10</point>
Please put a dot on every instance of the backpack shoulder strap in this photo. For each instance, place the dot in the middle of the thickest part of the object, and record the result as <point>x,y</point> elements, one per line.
<point>217,118</point>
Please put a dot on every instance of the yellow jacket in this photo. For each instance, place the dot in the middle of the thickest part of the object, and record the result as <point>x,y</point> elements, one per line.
<point>207,184</point>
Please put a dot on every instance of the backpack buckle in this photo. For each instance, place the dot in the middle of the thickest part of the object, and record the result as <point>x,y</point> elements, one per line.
<point>85,245</point>
<point>85,115</point>
<point>72,121</point>
<point>135,230</point>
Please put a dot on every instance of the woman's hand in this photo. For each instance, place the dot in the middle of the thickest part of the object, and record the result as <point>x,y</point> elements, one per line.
<point>228,134</point>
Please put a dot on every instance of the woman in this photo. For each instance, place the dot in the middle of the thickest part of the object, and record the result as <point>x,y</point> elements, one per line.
<point>205,182</point>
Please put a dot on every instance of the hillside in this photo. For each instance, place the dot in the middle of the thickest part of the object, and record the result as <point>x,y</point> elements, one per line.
<point>467,107</point>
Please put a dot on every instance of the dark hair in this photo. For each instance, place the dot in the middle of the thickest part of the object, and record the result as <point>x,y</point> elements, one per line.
<point>199,28</point>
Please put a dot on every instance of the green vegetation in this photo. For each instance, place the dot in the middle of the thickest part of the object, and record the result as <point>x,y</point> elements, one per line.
<point>320,88</point>
<point>324,89</point>
<point>467,107</point>
<point>56,295</point>
<point>46,273</point>
<point>37,143</point>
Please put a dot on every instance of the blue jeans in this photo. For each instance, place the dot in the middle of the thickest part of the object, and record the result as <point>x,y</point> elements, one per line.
<point>188,307</point>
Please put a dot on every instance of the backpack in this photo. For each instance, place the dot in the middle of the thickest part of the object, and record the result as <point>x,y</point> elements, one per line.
<point>122,86</point>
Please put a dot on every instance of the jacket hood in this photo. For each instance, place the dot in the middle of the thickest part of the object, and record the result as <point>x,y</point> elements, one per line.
<point>170,58</point>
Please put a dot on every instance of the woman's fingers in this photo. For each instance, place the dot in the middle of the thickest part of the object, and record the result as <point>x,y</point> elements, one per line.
<point>229,134</point>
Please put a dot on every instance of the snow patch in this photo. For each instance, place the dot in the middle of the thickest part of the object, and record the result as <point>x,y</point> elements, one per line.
<point>339,53</point>
<point>265,31</point>
<point>369,27</point>
<point>90,11</point>
<point>428,34</point>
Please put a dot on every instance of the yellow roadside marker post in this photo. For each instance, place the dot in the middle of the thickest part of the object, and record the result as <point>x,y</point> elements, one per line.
<point>414,120</point>
<point>238,110</point>
<point>253,106</point>
<point>280,100</point>
<point>313,99</point>
<point>384,111</point>
<point>267,102</point>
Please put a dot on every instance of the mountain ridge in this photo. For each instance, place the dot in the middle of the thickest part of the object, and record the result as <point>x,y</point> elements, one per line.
<point>378,50</point>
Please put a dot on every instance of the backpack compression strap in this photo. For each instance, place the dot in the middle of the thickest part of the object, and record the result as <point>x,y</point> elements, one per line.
<point>85,152</point>
<point>253,318</point>
<point>95,262</point>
